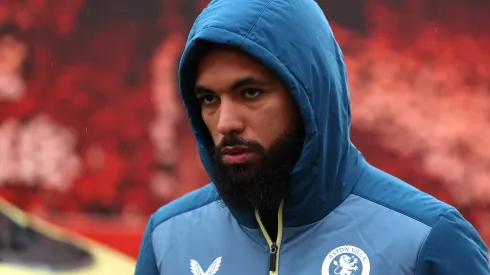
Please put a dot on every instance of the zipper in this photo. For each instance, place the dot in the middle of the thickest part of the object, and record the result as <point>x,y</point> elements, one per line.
<point>274,246</point>
<point>273,257</point>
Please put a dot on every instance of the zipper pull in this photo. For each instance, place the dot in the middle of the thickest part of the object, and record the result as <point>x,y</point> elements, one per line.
<point>273,257</point>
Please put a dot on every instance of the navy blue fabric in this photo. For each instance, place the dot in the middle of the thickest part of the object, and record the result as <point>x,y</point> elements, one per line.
<point>453,247</point>
<point>338,204</point>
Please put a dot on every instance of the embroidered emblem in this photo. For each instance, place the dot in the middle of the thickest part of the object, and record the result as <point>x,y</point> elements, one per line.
<point>197,270</point>
<point>346,260</point>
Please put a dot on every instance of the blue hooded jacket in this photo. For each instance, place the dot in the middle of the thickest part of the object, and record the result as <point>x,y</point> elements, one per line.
<point>341,216</point>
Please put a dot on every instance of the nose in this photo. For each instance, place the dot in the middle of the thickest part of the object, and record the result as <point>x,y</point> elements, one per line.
<point>230,120</point>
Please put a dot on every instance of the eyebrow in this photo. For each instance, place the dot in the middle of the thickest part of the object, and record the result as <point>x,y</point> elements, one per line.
<point>240,83</point>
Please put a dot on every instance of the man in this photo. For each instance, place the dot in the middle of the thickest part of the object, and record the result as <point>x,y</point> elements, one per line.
<point>265,88</point>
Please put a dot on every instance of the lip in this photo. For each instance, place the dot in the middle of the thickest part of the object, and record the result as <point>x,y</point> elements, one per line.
<point>235,149</point>
<point>236,154</point>
<point>239,158</point>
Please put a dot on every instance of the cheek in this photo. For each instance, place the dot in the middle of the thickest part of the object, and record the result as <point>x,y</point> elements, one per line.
<point>272,123</point>
<point>212,127</point>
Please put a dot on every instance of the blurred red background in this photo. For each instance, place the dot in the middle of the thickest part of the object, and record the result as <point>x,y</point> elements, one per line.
<point>93,135</point>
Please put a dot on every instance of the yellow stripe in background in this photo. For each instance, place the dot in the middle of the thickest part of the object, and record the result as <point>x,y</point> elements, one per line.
<point>107,261</point>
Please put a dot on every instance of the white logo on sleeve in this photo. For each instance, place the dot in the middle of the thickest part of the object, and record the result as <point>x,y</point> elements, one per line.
<point>346,260</point>
<point>197,270</point>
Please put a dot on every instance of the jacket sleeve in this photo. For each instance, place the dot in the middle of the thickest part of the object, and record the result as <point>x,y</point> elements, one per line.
<point>453,247</point>
<point>146,264</point>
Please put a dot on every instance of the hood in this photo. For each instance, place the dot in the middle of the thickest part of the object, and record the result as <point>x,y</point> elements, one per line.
<point>294,40</point>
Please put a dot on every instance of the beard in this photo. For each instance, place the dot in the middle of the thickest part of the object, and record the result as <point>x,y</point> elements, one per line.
<point>262,184</point>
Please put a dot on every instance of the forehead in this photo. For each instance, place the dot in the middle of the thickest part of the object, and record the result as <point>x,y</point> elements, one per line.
<point>223,65</point>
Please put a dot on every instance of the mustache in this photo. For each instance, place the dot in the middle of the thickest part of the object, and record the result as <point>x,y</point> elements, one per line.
<point>238,141</point>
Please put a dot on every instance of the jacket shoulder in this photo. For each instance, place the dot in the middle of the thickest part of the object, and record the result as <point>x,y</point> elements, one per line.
<point>452,245</point>
<point>397,195</point>
<point>151,249</point>
<point>187,203</point>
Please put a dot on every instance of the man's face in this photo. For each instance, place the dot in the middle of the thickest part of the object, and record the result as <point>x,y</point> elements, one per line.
<point>255,126</point>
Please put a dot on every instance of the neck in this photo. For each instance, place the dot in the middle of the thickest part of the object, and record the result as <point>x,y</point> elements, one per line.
<point>269,219</point>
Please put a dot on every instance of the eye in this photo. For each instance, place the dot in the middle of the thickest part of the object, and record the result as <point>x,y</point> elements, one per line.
<point>252,93</point>
<point>207,99</point>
